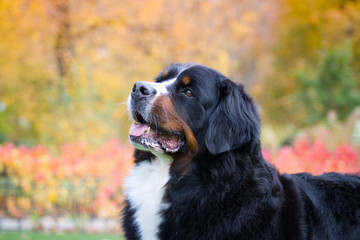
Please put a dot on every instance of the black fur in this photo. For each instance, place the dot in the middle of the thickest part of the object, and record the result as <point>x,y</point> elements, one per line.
<point>234,121</point>
<point>128,223</point>
<point>231,191</point>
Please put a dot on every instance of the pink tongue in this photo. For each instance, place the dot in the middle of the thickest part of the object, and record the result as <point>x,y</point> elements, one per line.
<point>138,129</point>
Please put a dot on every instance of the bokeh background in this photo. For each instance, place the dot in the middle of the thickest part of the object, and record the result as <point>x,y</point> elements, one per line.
<point>67,66</point>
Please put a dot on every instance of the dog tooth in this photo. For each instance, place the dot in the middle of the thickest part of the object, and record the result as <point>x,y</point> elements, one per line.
<point>148,130</point>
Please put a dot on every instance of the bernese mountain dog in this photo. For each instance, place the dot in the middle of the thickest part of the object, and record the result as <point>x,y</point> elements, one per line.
<point>199,172</point>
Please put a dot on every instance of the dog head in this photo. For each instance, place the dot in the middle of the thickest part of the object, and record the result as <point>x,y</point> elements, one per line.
<point>191,108</point>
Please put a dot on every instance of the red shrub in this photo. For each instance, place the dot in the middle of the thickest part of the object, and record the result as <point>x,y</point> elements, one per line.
<point>315,157</point>
<point>78,179</point>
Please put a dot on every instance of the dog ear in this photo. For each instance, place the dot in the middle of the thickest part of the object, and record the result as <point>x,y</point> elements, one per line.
<point>234,121</point>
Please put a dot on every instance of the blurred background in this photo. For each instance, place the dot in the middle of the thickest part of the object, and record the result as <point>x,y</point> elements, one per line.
<point>67,67</point>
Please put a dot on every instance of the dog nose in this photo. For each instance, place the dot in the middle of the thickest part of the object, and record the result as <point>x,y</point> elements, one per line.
<point>143,89</point>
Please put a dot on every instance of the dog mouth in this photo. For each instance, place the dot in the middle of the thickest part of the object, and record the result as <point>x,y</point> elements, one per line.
<point>144,134</point>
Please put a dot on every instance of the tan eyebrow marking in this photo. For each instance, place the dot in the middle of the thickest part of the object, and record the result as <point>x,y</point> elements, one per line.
<point>186,80</point>
<point>165,74</point>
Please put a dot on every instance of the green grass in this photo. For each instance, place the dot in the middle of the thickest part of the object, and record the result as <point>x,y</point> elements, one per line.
<point>10,235</point>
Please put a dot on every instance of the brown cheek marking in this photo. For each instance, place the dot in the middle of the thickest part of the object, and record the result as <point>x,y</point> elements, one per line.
<point>186,80</point>
<point>170,120</point>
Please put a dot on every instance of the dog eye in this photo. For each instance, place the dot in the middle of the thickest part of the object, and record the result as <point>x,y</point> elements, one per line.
<point>188,93</point>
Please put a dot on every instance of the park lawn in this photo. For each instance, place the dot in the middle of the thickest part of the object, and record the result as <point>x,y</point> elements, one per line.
<point>15,235</point>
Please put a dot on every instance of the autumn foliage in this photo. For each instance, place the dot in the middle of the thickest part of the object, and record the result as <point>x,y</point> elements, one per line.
<point>315,157</point>
<point>334,146</point>
<point>78,180</point>
<point>75,61</point>
<point>86,181</point>
<point>67,67</point>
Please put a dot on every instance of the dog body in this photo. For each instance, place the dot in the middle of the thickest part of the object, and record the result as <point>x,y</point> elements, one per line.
<point>200,173</point>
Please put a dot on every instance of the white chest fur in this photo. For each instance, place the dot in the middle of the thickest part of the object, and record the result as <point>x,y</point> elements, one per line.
<point>145,190</point>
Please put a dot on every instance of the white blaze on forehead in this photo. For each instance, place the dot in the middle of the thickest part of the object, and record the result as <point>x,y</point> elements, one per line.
<point>162,87</point>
